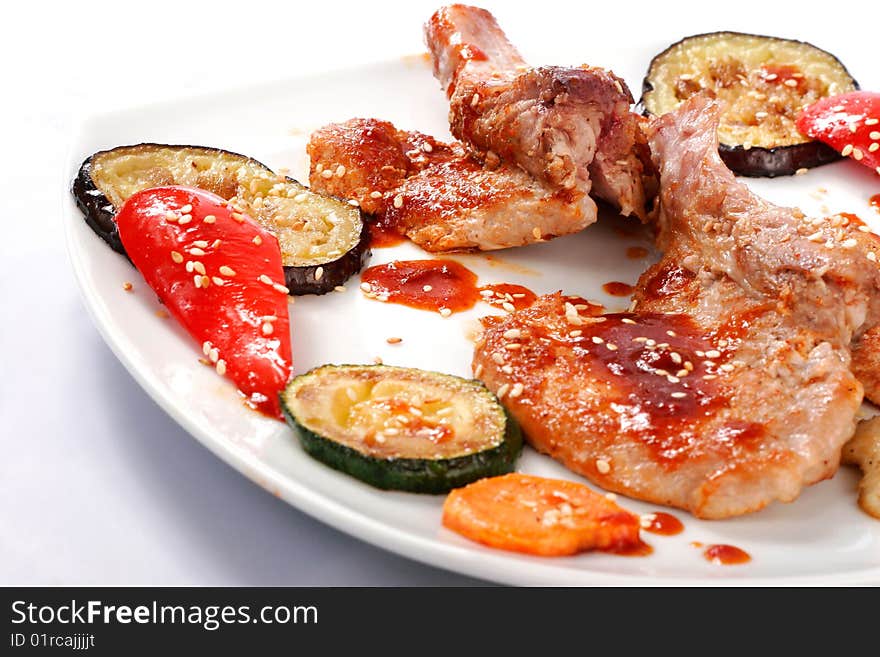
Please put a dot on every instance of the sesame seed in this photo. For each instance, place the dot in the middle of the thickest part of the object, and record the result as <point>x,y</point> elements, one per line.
<point>265,279</point>
<point>847,150</point>
<point>445,312</point>
<point>199,267</point>
<point>672,379</point>
<point>127,286</point>
<point>319,273</point>
<point>238,217</point>
<point>206,347</point>
<point>713,353</point>
<point>709,377</point>
<point>850,243</point>
<point>676,357</point>
<point>196,251</point>
<point>610,346</point>
<point>202,244</point>
<point>209,219</point>
<point>509,307</point>
<point>682,373</point>
<point>339,288</point>
<point>872,121</point>
<point>206,282</point>
<point>185,219</point>
<point>816,237</point>
<point>197,280</point>
<point>171,216</point>
<point>611,497</point>
<point>502,390</point>
<point>507,369</point>
<point>475,99</point>
<point>640,339</point>
<point>536,232</point>
<point>281,288</point>
<point>512,334</point>
<point>727,367</point>
<point>498,357</point>
<point>873,147</point>
<point>398,201</point>
<point>478,370</point>
<point>393,340</point>
<point>214,354</point>
<point>366,287</point>
<point>857,154</point>
<point>627,320</point>
<point>375,194</point>
<point>257,240</point>
<point>801,171</point>
<point>268,328</point>
<point>426,288</point>
<point>516,390</point>
<point>603,466</point>
<point>176,257</point>
<point>218,281</point>
<point>871,256</point>
<point>340,171</point>
<point>875,134</point>
<point>221,367</point>
<point>678,395</point>
<point>597,340</point>
<point>671,334</point>
<point>327,173</point>
<point>512,346</point>
<point>576,333</point>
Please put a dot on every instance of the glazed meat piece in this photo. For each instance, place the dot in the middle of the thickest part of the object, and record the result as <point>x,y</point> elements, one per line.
<point>729,386</point>
<point>571,128</point>
<point>435,193</point>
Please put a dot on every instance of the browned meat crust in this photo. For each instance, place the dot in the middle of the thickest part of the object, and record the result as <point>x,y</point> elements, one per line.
<point>435,193</point>
<point>569,127</point>
<point>730,386</point>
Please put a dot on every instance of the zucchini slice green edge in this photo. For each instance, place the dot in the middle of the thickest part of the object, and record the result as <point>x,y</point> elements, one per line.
<point>359,419</point>
<point>323,240</point>
<point>748,73</point>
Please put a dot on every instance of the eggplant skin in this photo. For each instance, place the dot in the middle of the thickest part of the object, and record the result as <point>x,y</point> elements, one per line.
<point>315,277</point>
<point>99,212</point>
<point>756,161</point>
<point>305,280</point>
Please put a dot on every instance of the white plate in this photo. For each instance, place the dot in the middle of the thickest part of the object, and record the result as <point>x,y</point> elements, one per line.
<point>821,538</point>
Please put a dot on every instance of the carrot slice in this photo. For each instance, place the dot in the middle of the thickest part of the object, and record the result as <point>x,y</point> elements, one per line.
<point>548,517</point>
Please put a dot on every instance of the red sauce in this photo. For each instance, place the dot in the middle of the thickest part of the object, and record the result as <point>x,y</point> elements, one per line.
<point>668,280</point>
<point>618,289</point>
<point>424,284</point>
<point>664,524</point>
<point>874,201</point>
<point>640,549</point>
<point>726,555</point>
<point>383,235</point>
<point>517,295</point>
<point>636,252</point>
<point>781,73</point>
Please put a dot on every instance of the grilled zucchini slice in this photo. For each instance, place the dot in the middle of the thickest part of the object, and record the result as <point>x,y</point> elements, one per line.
<point>323,240</point>
<point>762,84</point>
<point>401,428</point>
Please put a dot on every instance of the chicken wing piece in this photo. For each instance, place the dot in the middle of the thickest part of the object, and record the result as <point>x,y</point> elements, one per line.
<point>569,127</point>
<point>729,386</point>
<point>435,193</point>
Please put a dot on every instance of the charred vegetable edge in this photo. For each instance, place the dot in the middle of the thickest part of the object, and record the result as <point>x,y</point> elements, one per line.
<point>757,161</point>
<point>100,215</point>
<point>414,475</point>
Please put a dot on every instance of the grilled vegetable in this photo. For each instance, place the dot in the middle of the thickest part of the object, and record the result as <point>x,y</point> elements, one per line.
<point>762,84</point>
<point>850,123</point>
<point>400,428</point>
<point>323,240</point>
<point>548,517</point>
<point>218,280</point>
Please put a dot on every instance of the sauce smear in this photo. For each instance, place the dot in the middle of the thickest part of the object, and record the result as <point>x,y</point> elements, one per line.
<point>874,202</point>
<point>618,289</point>
<point>664,524</point>
<point>726,555</point>
<point>641,549</point>
<point>383,235</point>
<point>424,284</point>
<point>516,295</point>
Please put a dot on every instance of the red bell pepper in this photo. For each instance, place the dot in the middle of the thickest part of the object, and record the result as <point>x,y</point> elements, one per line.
<point>849,123</point>
<point>219,273</point>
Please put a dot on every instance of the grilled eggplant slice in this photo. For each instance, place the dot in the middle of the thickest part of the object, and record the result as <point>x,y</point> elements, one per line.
<point>762,84</point>
<point>402,428</point>
<point>324,240</point>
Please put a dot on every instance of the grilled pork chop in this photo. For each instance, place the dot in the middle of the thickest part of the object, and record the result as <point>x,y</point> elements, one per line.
<point>569,127</point>
<point>436,193</point>
<point>729,386</point>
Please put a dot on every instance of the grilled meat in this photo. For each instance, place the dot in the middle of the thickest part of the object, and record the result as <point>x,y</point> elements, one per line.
<point>729,386</point>
<point>436,193</point>
<point>569,127</point>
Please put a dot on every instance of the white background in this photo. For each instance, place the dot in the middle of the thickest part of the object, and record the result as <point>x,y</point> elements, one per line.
<point>97,485</point>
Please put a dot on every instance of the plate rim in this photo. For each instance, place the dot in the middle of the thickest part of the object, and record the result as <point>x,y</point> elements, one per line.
<point>483,565</point>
